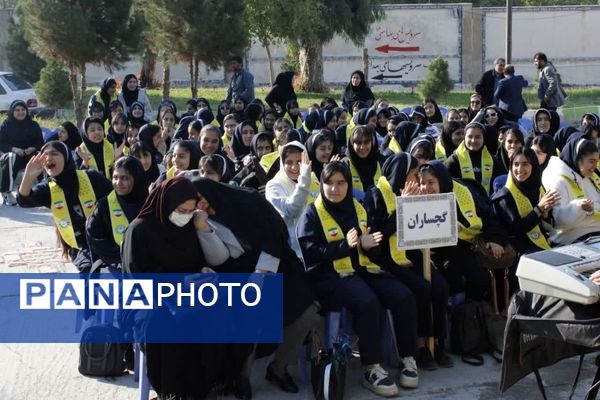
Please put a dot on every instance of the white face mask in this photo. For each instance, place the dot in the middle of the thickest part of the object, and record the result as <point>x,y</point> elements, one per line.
<point>180,219</point>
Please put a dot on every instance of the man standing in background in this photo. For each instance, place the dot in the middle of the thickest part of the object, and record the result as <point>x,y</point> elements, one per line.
<point>508,94</point>
<point>489,81</point>
<point>550,91</point>
<point>242,82</point>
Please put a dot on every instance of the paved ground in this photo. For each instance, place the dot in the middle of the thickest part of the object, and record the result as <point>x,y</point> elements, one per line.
<point>49,371</point>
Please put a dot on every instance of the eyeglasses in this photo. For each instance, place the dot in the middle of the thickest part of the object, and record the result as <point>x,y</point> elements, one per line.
<point>224,107</point>
<point>491,115</point>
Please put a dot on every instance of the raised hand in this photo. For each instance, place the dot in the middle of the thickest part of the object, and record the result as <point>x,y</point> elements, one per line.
<point>35,166</point>
<point>370,240</point>
<point>411,188</point>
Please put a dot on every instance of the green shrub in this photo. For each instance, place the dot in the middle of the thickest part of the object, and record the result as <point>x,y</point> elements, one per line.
<point>437,81</point>
<point>53,88</point>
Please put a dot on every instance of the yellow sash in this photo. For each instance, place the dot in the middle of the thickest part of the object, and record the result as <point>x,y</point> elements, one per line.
<point>314,190</point>
<point>466,166</point>
<point>108,154</point>
<point>349,129</point>
<point>395,146</point>
<point>126,150</point>
<point>356,182</point>
<point>267,160</point>
<point>171,172</point>
<point>578,193</point>
<point>466,205</point>
<point>226,140</point>
<point>118,220</point>
<point>524,207</point>
<point>60,210</point>
<point>440,152</point>
<point>333,233</point>
<point>399,256</point>
<point>288,118</point>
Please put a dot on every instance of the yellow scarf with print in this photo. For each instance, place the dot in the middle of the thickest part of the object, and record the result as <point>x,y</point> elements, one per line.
<point>466,205</point>
<point>356,182</point>
<point>118,220</point>
<point>60,210</point>
<point>399,256</point>
<point>466,165</point>
<point>333,233</point>
<point>107,153</point>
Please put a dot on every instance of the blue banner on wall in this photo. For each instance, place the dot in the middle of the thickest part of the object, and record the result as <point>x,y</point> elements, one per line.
<point>148,308</point>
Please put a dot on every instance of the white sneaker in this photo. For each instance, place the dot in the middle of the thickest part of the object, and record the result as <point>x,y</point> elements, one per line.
<point>9,199</point>
<point>409,376</point>
<point>378,381</point>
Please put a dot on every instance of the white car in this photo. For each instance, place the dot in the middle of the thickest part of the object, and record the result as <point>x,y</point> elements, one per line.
<point>14,88</point>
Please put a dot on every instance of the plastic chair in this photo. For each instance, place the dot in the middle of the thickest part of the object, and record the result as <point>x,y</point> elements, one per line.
<point>139,373</point>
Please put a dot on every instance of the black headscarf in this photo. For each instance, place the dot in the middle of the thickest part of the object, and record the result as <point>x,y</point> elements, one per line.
<point>395,169</point>
<point>571,153</point>
<point>246,212</point>
<point>343,212</point>
<point>531,186</point>
<point>282,90</point>
<point>205,115</point>
<point>129,96</point>
<point>74,139</point>
<point>237,144</point>
<point>441,172</point>
<point>366,167</point>
<point>194,149</point>
<point>106,83</point>
<point>547,145</point>
<point>447,130</point>
<point>592,116</point>
<point>406,131</point>
<point>97,149</point>
<point>20,133</point>
<point>564,135</point>
<point>534,128</point>
<point>500,120</point>
<point>420,111</point>
<point>118,138</point>
<point>252,114</point>
<point>325,117</point>
<point>220,117</point>
<point>362,116</point>
<point>133,120</point>
<point>502,154</point>
<point>315,141</point>
<point>153,172</point>
<point>360,92</point>
<point>67,179</point>
<point>166,103</point>
<point>256,138</point>
<point>382,130</point>
<point>437,117</point>
<point>132,203</point>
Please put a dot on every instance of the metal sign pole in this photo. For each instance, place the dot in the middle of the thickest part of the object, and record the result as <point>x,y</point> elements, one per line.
<point>427,275</point>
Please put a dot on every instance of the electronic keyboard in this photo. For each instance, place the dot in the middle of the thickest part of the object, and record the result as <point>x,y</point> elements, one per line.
<point>563,272</point>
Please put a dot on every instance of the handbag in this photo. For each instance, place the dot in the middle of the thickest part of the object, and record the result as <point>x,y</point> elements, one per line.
<point>486,257</point>
<point>328,369</point>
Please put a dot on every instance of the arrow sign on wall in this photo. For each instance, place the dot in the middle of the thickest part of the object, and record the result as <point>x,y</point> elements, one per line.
<point>381,77</point>
<point>387,48</point>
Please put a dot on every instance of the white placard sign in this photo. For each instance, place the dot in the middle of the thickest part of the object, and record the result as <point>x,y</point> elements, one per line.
<point>426,221</point>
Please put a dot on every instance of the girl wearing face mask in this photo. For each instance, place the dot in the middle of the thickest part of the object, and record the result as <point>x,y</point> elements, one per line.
<point>162,239</point>
<point>96,152</point>
<point>575,178</point>
<point>69,193</point>
<point>107,224</point>
<point>362,157</point>
<point>523,205</point>
<point>399,178</point>
<point>20,138</point>
<point>336,237</point>
<point>472,160</point>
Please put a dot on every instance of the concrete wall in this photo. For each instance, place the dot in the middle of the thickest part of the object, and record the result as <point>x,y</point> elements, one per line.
<point>569,35</point>
<point>468,38</point>
<point>4,18</point>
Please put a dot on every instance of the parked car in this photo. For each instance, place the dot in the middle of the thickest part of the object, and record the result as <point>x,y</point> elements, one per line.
<point>14,88</point>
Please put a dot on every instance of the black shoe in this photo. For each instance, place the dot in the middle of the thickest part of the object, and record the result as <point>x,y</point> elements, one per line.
<point>285,382</point>
<point>425,360</point>
<point>242,389</point>
<point>442,359</point>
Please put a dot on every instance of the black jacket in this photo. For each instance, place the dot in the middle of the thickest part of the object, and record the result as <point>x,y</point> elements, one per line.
<point>486,85</point>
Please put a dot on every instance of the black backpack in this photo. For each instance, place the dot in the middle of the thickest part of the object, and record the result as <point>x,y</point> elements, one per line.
<point>472,332</point>
<point>102,352</point>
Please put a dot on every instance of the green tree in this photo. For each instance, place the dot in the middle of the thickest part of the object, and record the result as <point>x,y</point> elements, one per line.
<point>180,25</point>
<point>23,61</point>
<point>256,17</point>
<point>311,23</point>
<point>74,33</point>
<point>437,81</point>
<point>53,87</point>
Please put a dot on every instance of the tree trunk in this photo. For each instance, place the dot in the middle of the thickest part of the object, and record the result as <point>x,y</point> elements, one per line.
<point>196,64</point>
<point>310,59</point>
<point>271,67</point>
<point>77,96</point>
<point>166,84</point>
<point>147,78</point>
<point>193,88</point>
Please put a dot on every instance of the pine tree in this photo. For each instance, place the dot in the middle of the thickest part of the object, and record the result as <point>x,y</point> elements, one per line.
<point>437,81</point>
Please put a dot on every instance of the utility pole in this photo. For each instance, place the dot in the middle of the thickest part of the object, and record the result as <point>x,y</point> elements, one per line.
<point>508,31</point>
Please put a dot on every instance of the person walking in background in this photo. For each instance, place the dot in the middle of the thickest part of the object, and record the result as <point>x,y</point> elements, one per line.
<point>550,91</point>
<point>242,82</point>
<point>508,94</point>
<point>489,81</point>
